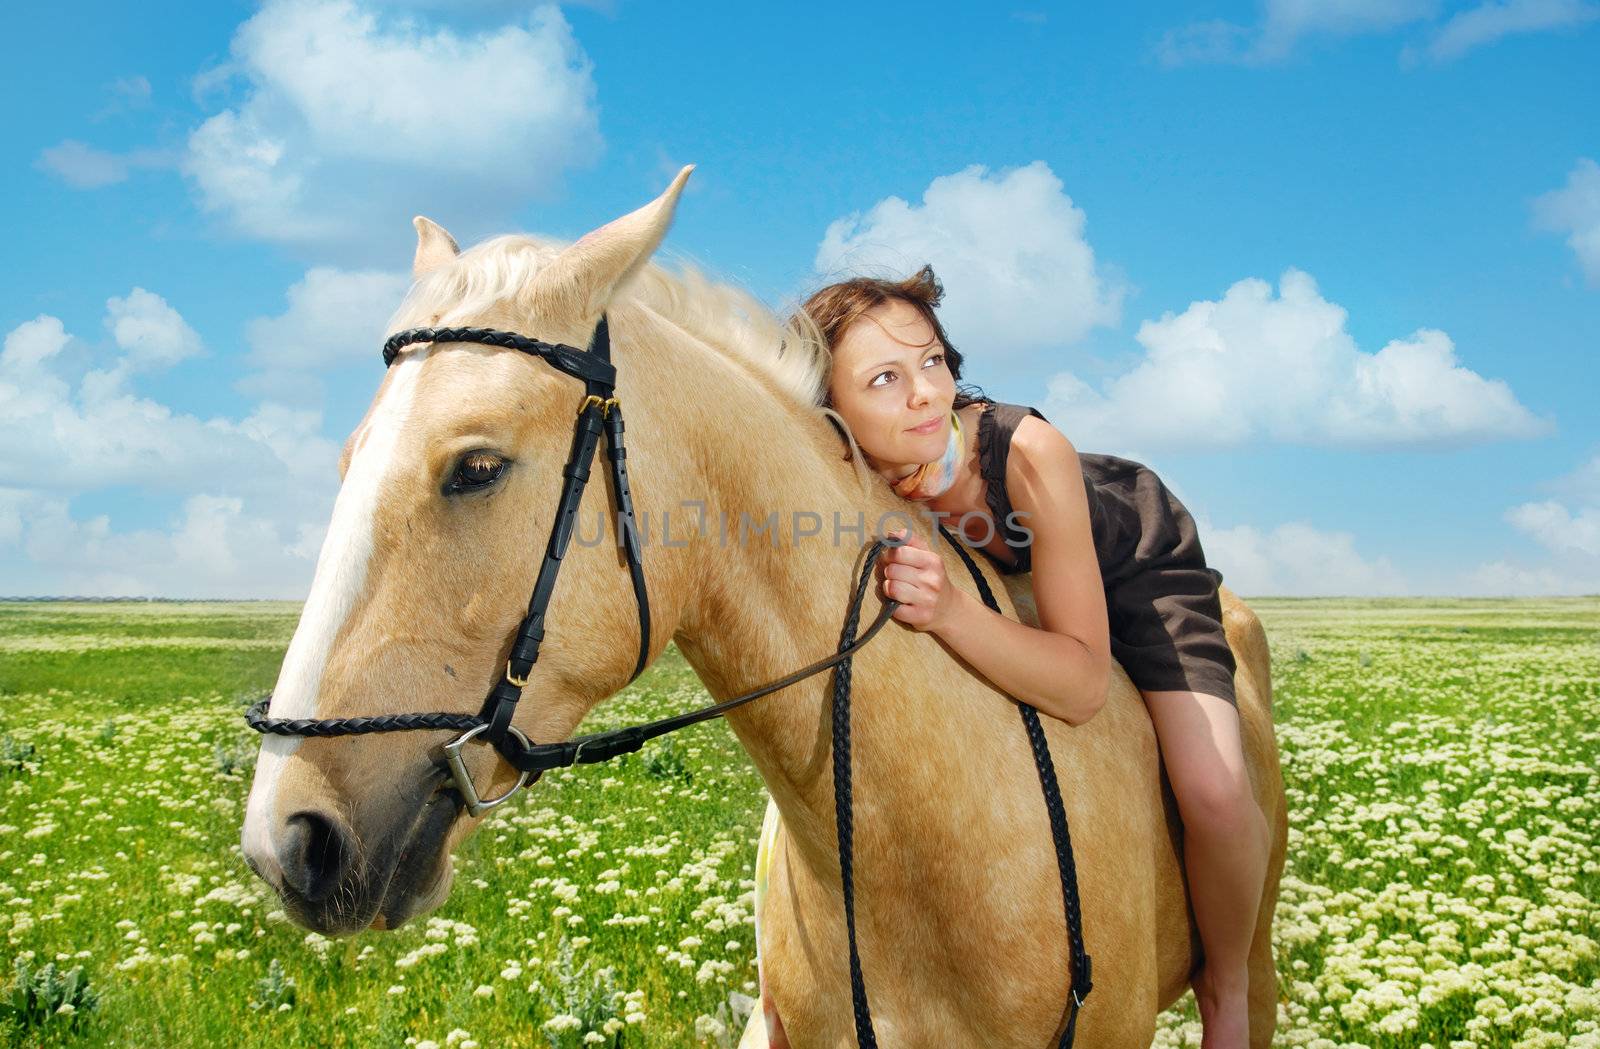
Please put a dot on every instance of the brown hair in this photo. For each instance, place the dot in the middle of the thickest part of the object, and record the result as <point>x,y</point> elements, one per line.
<point>834,308</point>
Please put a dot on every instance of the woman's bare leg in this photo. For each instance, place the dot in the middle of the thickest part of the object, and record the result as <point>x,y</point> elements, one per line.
<point>1224,850</point>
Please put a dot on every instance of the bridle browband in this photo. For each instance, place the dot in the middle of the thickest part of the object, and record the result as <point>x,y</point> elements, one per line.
<point>599,410</point>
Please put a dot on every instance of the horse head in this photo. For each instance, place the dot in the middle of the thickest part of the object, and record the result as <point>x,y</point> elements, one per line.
<point>449,487</point>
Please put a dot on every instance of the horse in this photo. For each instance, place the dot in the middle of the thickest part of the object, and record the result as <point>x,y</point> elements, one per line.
<point>421,583</point>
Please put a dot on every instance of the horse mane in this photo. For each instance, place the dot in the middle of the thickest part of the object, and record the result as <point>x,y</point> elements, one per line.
<point>791,356</point>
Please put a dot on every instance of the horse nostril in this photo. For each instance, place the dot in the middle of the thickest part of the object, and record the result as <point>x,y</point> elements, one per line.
<point>315,854</point>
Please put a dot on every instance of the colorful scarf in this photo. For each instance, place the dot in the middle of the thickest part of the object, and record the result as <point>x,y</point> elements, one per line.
<point>935,478</point>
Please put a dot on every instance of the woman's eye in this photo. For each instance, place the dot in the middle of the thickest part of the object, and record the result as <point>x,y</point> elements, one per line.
<point>476,471</point>
<point>874,382</point>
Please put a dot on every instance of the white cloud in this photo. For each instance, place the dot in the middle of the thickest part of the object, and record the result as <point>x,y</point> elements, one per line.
<point>1299,559</point>
<point>334,318</point>
<point>255,491</point>
<point>102,433</point>
<point>84,167</point>
<point>1284,23</point>
<point>1205,42</point>
<point>214,549</point>
<point>352,122</point>
<point>1575,210</point>
<point>1019,273</point>
<point>32,343</point>
<point>1490,21</point>
<point>1568,534</point>
<point>127,95</point>
<point>1560,530</point>
<point>1505,579</point>
<point>1251,367</point>
<point>133,91</point>
<point>151,333</point>
<point>1296,560</point>
<point>1583,483</point>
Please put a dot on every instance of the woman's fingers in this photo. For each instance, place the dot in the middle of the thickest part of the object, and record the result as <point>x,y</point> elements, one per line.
<point>912,540</point>
<point>909,596</point>
<point>906,555</point>
<point>902,588</point>
<point>914,577</point>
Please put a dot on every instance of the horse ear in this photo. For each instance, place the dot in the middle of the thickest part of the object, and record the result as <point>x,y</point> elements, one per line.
<point>582,279</point>
<point>435,247</point>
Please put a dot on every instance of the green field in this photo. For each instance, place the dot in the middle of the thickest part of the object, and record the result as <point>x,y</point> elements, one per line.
<point>1442,889</point>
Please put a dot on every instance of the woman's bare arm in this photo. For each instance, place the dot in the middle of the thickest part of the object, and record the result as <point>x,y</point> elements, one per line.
<point>1063,668</point>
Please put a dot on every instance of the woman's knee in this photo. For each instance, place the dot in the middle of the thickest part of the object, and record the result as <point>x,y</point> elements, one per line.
<point>1201,750</point>
<point>1217,798</point>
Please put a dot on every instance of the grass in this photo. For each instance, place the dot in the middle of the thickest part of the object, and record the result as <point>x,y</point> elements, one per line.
<point>1440,760</point>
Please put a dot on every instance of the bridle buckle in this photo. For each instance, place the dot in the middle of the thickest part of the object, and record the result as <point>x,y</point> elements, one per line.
<point>520,682</point>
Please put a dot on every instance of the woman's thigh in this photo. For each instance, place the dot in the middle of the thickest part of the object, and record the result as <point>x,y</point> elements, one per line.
<point>1202,750</point>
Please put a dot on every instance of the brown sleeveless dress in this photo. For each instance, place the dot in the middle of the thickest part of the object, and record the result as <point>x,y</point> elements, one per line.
<point>1161,597</point>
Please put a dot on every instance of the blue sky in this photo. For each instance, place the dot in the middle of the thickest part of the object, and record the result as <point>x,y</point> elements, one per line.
<point>1333,269</point>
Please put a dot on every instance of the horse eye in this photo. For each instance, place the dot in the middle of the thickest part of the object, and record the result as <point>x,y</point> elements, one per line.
<point>477,470</point>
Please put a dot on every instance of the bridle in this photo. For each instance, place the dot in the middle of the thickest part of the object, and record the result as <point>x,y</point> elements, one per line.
<point>599,410</point>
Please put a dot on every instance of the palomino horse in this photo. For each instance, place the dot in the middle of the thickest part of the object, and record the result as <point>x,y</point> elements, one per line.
<point>420,586</point>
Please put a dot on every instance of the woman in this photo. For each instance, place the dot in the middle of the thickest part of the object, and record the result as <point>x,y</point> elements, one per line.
<point>1117,570</point>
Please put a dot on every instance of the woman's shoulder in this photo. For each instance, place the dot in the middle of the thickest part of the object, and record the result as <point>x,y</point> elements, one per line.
<point>1006,426</point>
<point>1004,409</point>
<point>1036,437</point>
<point>1029,431</point>
<point>1026,457</point>
<point>1016,442</point>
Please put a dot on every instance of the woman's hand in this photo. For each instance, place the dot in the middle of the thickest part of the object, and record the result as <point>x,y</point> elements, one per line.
<point>914,576</point>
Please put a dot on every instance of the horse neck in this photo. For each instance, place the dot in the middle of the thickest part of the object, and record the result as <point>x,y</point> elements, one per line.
<point>754,611</point>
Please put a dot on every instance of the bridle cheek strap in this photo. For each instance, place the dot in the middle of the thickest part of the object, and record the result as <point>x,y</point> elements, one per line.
<point>600,411</point>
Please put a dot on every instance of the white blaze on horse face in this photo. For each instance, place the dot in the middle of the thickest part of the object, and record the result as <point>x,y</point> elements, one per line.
<point>341,574</point>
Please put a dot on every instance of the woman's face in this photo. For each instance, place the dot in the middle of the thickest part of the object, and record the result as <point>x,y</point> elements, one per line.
<point>890,376</point>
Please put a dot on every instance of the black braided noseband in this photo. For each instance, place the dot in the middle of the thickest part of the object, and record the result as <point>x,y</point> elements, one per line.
<point>257,718</point>
<point>601,746</point>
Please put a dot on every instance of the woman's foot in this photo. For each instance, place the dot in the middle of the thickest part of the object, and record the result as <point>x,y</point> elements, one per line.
<point>1224,1012</point>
